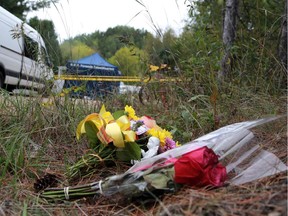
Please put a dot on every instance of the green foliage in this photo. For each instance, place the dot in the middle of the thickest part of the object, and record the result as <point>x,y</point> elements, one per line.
<point>106,43</point>
<point>22,120</point>
<point>255,51</point>
<point>72,50</point>
<point>117,114</point>
<point>131,151</point>
<point>14,141</point>
<point>131,61</point>
<point>115,38</point>
<point>161,48</point>
<point>91,133</point>
<point>153,46</point>
<point>253,61</point>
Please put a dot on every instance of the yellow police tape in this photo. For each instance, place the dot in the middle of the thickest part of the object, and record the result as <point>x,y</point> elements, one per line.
<point>115,78</point>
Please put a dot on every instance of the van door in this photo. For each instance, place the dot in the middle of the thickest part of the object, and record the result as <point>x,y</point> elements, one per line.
<point>46,72</point>
<point>30,70</point>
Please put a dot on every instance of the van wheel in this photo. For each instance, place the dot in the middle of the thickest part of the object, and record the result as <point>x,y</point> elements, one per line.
<point>1,80</point>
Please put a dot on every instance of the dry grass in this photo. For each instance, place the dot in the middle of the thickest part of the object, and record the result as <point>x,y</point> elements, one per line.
<point>52,146</point>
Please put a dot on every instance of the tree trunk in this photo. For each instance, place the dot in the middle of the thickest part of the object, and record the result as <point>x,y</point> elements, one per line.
<point>282,49</point>
<point>229,34</point>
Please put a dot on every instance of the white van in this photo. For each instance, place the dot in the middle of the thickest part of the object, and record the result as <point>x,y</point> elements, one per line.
<point>23,57</point>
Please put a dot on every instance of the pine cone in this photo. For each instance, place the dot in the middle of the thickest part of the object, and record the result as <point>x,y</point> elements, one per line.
<point>48,180</point>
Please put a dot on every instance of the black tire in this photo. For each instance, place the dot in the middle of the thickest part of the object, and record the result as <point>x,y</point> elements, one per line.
<point>1,80</point>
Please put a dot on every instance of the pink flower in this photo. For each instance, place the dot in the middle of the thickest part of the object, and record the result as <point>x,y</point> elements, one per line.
<point>169,144</point>
<point>200,168</point>
<point>149,122</point>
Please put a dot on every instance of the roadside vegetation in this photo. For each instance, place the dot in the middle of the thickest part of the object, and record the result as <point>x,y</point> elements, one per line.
<point>37,134</point>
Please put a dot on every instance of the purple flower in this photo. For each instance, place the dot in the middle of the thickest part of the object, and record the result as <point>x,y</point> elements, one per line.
<point>169,144</point>
<point>138,127</point>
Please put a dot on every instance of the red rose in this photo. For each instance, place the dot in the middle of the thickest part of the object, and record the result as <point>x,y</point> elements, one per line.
<point>200,168</point>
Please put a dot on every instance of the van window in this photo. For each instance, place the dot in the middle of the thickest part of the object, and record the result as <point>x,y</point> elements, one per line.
<point>30,48</point>
<point>45,56</point>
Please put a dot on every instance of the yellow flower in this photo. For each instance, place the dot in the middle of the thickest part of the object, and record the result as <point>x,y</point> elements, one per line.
<point>47,104</point>
<point>109,129</point>
<point>153,132</point>
<point>157,133</point>
<point>130,112</point>
<point>66,91</point>
<point>161,134</point>
<point>167,134</point>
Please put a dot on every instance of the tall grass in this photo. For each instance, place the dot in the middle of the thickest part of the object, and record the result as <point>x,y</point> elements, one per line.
<point>31,126</point>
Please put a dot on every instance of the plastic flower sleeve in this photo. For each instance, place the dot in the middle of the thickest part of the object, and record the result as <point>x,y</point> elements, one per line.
<point>233,165</point>
<point>125,184</point>
<point>170,154</point>
<point>263,165</point>
<point>236,127</point>
<point>233,144</point>
<point>220,141</point>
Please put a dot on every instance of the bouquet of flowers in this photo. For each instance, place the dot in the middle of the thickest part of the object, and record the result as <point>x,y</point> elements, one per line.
<point>196,163</point>
<point>121,135</point>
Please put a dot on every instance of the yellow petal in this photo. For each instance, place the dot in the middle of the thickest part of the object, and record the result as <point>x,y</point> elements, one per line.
<point>123,122</point>
<point>107,116</point>
<point>80,129</point>
<point>102,110</point>
<point>130,136</point>
<point>114,131</point>
<point>96,119</point>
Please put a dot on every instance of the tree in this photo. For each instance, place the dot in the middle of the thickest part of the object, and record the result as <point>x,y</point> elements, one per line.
<point>47,31</point>
<point>250,58</point>
<point>131,61</point>
<point>168,53</point>
<point>229,33</point>
<point>20,7</point>
<point>115,38</point>
<point>74,49</point>
<point>153,47</point>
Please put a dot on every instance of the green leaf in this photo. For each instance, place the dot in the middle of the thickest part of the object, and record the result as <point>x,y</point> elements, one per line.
<point>118,114</point>
<point>185,115</point>
<point>157,180</point>
<point>160,179</point>
<point>91,132</point>
<point>131,151</point>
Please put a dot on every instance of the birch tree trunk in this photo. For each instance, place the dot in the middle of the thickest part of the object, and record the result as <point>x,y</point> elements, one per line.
<point>228,37</point>
<point>282,49</point>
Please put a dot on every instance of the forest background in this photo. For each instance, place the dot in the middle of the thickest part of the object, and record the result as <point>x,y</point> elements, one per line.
<point>257,47</point>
